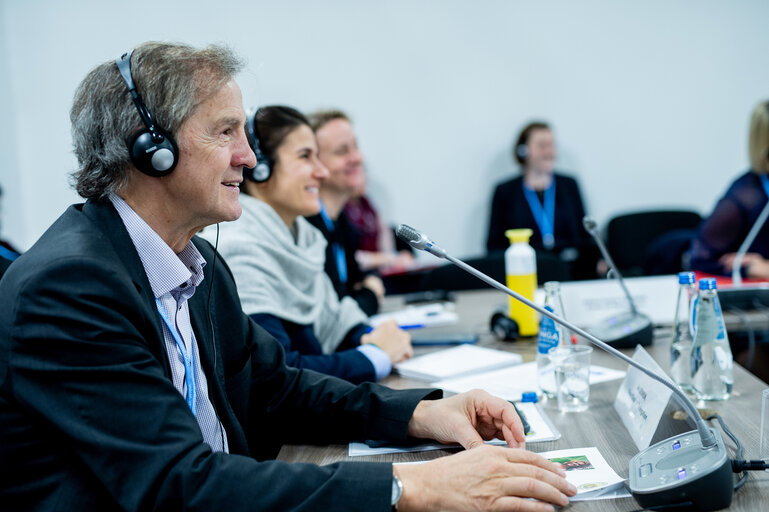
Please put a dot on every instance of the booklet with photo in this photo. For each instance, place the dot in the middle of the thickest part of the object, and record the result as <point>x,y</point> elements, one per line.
<point>590,473</point>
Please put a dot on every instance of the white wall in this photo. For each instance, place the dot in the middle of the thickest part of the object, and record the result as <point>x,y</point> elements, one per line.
<point>650,100</point>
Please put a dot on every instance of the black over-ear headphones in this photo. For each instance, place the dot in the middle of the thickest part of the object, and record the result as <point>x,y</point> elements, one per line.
<point>503,327</point>
<point>152,150</point>
<point>263,169</point>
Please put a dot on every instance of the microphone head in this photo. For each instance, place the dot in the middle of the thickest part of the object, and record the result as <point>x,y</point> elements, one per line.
<point>589,223</point>
<point>407,233</point>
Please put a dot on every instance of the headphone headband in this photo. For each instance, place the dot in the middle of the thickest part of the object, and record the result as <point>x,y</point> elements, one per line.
<point>152,151</point>
<point>262,171</point>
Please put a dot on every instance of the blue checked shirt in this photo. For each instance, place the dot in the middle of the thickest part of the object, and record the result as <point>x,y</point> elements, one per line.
<point>173,278</point>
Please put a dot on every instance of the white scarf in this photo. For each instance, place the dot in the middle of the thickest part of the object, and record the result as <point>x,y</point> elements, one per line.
<point>282,277</point>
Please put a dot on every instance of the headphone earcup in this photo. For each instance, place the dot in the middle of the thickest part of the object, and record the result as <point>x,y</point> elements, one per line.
<point>153,158</point>
<point>261,172</point>
<point>503,327</point>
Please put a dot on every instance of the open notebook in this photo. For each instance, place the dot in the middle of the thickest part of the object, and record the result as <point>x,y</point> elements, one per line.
<point>455,362</point>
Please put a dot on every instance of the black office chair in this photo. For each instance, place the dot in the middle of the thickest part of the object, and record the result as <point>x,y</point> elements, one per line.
<point>629,236</point>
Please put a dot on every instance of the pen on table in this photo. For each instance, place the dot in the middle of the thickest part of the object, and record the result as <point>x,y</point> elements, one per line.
<point>447,341</point>
<point>526,426</point>
<point>406,327</point>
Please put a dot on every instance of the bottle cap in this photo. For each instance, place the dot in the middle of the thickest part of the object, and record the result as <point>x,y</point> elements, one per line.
<point>518,235</point>
<point>529,396</point>
<point>686,278</point>
<point>708,283</point>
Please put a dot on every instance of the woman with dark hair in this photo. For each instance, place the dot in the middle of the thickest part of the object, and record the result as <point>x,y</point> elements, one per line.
<point>278,259</point>
<point>547,202</point>
<point>722,233</point>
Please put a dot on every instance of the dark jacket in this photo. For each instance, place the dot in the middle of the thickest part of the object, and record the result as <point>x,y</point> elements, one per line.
<point>303,349</point>
<point>344,234</point>
<point>89,417</point>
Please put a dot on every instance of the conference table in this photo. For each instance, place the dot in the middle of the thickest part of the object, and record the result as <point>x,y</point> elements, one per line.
<point>599,426</point>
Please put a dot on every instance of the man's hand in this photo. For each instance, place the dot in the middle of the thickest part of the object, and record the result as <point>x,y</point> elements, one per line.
<point>375,284</point>
<point>484,478</point>
<point>468,419</point>
<point>392,339</point>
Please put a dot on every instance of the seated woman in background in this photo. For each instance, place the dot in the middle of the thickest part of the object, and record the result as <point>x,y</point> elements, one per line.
<point>547,202</point>
<point>377,244</point>
<point>277,259</point>
<point>722,233</point>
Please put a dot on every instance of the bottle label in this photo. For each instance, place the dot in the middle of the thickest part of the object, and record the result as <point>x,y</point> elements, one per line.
<point>548,334</point>
<point>719,319</point>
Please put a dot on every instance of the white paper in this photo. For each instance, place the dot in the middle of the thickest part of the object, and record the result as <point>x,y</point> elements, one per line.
<point>453,362</point>
<point>412,317</point>
<point>541,430</point>
<point>641,400</point>
<point>509,383</point>
<point>589,472</point>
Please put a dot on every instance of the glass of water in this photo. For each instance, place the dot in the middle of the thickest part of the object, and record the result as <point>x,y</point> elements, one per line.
<point>572,376</point>
<point>763,446</point>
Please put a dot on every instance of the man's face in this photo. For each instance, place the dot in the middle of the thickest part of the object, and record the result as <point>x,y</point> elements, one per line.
<point>338,150</point>
<point>203,189</point>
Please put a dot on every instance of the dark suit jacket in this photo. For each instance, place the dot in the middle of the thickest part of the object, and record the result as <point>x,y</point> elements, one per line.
<point>89,417</point>
<point>345,235</point>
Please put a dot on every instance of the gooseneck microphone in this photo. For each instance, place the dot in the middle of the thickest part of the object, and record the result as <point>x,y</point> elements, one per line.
<point>709,486</point>
<point>736,269</point>
<point>591,226</point>
<point>623,330</point>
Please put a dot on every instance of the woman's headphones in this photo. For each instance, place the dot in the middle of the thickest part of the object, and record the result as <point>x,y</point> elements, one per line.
<point>503,327</point>
<point>262,171</point>
<point>152,150</point>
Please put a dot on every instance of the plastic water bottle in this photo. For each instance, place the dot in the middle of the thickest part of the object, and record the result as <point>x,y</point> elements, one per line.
<point>681,345</point>
<point>711,359</point>
<point>521,274</point>
<point>551,334</point>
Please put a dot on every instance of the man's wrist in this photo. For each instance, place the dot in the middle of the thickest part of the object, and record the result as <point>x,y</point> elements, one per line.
<point>397,491</point>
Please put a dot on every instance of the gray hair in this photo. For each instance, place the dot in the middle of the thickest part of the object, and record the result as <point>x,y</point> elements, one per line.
<point>172,79</point>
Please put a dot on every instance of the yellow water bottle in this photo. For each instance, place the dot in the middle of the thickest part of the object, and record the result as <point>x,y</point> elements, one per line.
<point>521,272</point>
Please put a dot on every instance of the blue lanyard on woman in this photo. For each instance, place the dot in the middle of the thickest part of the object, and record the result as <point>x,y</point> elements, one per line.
<point>189,371</point>
<point>765,183</point>
<point>545,217</point>
<point>341,261</point>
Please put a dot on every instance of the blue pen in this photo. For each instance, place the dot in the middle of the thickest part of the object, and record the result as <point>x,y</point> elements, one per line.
<point>407,327</point>
<point>435,343</point>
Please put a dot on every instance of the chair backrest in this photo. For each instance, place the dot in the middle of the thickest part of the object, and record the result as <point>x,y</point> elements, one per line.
<point>629,236</point>
<point>452,278</point>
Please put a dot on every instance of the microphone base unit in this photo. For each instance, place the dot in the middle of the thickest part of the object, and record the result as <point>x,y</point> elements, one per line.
<point>625,330</point>
<point>746,297</point>
<point>679,470</point>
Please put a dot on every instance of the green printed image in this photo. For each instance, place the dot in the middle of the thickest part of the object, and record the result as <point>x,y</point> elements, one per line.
<point>574,462</point>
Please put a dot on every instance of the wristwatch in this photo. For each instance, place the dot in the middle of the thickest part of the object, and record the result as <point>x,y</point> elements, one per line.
<point>397,492</point>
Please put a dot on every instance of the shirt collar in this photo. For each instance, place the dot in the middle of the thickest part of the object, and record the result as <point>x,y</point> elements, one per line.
<point>166,270</point>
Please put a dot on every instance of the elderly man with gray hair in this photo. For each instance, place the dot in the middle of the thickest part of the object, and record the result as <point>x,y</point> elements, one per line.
<point>130,378</point>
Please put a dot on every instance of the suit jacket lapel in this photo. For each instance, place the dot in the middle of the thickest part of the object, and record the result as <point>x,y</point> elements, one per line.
<point>104,215</point>
<point>202,317</point>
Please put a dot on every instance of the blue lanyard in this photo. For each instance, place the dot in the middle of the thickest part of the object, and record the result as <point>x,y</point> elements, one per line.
<point>341,260</point>
<point>189,371</point>
<point>545,217</point>
<point>765,183</point>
